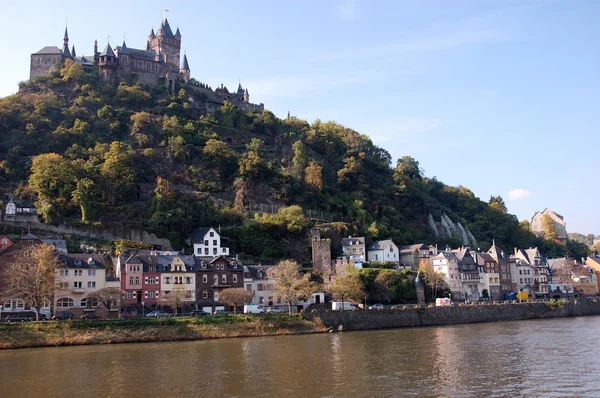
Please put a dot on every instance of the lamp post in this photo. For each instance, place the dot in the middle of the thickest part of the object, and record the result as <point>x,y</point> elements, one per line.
<point>142,308</point>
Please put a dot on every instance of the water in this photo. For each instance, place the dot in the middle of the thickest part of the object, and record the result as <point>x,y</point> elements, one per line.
<point>551,358</point>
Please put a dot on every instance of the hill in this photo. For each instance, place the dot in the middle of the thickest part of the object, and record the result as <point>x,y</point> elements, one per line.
<point>105,154</point>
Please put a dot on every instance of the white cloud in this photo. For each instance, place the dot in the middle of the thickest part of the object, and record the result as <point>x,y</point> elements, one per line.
<point>520,193</point>
<point>347,9</point>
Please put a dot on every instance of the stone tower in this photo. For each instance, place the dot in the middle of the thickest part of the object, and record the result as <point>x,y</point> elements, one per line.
<point>107,63</point>
<point>167,43</point>
<point>420,288</point>
<point>321,253</point>
<point>185,69</point>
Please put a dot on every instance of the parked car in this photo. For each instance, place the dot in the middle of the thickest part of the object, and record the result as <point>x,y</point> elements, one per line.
<point>90,315</point>
<point>222,312</point>
<point>443,302</point>
<point>253,309</point>
<point>337,306</point>
<point>63,316</point>
<point>127,315</point>
<point>275,310</point>
<point>23,316</point>
<point>199,313</point>
<point>158,314</point>
<point>396,307</point>
<point>377,306</point>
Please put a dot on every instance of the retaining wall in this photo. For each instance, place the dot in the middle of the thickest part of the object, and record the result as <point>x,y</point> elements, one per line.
<point>432,316</point>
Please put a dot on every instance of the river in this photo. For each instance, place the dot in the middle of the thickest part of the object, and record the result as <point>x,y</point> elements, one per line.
<point>553,358</point>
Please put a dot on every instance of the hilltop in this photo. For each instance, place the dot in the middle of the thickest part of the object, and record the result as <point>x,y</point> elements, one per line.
<point>119,153</point>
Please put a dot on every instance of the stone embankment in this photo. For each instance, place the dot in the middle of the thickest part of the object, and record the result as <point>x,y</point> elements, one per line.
<point>435,316</point>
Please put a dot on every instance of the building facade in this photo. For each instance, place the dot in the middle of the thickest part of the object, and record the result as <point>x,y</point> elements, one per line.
<point>559,223</point>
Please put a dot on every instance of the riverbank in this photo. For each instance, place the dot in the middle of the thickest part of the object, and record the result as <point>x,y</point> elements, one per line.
<point>69,333</point>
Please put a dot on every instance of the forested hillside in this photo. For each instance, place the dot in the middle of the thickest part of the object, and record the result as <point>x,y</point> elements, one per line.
<point>95,154</point>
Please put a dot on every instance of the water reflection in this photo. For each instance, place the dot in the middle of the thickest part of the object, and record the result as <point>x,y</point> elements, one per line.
<point>534,358</point>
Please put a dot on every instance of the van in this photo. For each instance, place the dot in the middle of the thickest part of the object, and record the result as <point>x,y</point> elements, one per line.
<point>253,309</point>
<point>443,302</point>
<point>337,306</point>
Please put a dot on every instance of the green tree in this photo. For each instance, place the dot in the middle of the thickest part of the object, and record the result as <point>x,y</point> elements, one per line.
<point>549,228</point>
<point>52,180</point>
<point>84,196</point>
<point>497,203</point>
<point>118,173</point>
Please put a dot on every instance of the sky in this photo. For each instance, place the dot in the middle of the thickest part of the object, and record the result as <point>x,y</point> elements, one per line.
<point>500,96</point>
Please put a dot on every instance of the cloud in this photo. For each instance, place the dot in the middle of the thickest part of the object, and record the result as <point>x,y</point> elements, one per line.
<point>347,9</point>
<point>520,193</point>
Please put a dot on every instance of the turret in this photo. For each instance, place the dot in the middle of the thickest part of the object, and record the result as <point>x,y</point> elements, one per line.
<point>178,34</point>
<point>73,51</point>
<point>185,68</point>
<point>124,55</point>
<point>107,62</point>
<point>151,35</point>
<point>65,49</point>
<point>246,95</point>
<point>158,56</point>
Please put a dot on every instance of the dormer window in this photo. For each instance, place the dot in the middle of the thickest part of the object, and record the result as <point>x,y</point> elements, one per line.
<point>77,262</point>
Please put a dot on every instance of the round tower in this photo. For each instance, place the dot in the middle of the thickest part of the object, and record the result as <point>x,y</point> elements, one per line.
<point>185,68</point>
<point>107,63</point>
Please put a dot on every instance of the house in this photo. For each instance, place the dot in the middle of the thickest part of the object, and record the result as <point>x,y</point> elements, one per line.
<point>79,276</point>
<point>384,251</point>
<point>410,256</point>
<point>5,242</point>
<point>354,248</point>
<point>503,269</point>
<point>214,276</point>
<point>533,257</point>
<point>207,243</point>
<point>559,222</point>
<point>521,275</point>
<point>446,263</point>
<point>489,275</point>
<point>178,282</point>
<point>257,281</point>
<point>594,263</point>
<point>471,285</point>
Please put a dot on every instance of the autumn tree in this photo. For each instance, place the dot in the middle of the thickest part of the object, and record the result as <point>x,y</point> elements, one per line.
<point>84,196</point>
<point>118,173</point>
<point>33,280</point>
<point>549,231</point>
<point>109,297</point>
<point>313,177</point>
<point>347,285</point>
<point>174,299</point>
<point>434,281</point>
<point>235,296</point>
<point>52,180</point>
<point>290,285</point>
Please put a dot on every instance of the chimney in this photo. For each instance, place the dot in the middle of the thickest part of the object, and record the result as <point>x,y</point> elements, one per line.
<point>516,250</point>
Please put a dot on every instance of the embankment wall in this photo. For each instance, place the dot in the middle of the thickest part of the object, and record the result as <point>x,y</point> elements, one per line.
<point>432,316</point>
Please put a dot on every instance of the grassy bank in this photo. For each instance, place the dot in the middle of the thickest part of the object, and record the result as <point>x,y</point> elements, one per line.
<point>51,334</point>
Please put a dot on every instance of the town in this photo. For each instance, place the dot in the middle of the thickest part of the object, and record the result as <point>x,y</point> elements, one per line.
<point>211,279</point>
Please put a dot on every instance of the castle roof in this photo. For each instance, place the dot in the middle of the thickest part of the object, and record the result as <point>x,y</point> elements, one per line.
<point>66,34</point>
<point>240,90</point>
<point>177,33</point>
<point>108,51</point>
<point>65,50</point>
<point>152,33</point>
<point>73,51</point>
<point>123,49</point>
<point>49,50</point>
<point>148,46</point>
<point>135,53</point>
<point>185,66</point>
<point>165,28</point>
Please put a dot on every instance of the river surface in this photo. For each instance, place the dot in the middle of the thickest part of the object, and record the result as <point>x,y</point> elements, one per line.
<point>549,358</point>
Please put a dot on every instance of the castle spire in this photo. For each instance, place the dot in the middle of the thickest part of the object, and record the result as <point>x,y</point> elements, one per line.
<point>186,65</point>
<point>73,51</point>
<point>65,49</point>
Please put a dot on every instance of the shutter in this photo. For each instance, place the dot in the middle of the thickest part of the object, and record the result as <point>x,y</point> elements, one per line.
<point>146,280</point>
<point>145,294</point>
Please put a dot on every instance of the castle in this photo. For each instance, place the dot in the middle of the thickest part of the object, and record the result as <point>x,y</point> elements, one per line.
<point>160,60</point>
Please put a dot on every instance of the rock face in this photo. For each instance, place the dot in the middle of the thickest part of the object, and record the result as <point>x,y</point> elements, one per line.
<point>422,316</point>
<point>446,228</point>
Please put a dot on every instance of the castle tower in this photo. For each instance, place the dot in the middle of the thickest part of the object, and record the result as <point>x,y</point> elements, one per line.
<point>124,56</point>
<point>185,68</point>
<point>246,96</point>
<point>73,51</point>
<point>107,63</point>
<point>168,43</point>
<point>420,289</point>
<point>65,49</point>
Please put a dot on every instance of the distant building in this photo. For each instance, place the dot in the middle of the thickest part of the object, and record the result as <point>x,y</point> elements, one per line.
<point>321,253</point>
<point>559,222</point>
<point>207,243</point>
<point>5,242</point>
<point>354,248</point>
<point>384,251</point>
<point>446,263</point>
<point>410,256</point>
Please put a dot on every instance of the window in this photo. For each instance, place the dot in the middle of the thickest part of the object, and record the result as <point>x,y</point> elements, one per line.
<point>224,250</point>
<point>64,272</point>
<point>147,65</point>
<point>391,249</point>
<point>140,65</point>
<point>261,300</point>
<point>521,280</point>
<point>83,303</point>
<point>167,279</point>
<point>224,278</point>
<point>78,272</point>
<point>132,63</point>
<point>91,284</point>
<point>38,61</point>
<point>234,278</point>
<point>131,280</point>
<point>78,285</point>
<point>65,302</point>
<point>137,280</point>
<point>215,250</point>
<point>215,279</point>
<point>151,295</point>
<point>188,280</point>
<point>63,285</point>
<point>211,234</point>
<point>130,295</point>
<point>199,251</point>
<point>248,287</point>
<point>205,278</point>
<point>206,250</point>
<point>215,242</point>
<point>216,296</point>
<point>206,242</point>
<point>91,272</point>
<point>151,280</point>
<point>204,294</point>
<point>260,287</point>
<point>14,304</point>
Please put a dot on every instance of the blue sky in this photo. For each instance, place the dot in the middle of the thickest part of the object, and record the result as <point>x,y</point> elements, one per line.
<point>499,96</point>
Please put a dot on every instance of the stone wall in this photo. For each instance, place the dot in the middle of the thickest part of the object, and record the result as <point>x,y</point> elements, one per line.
<point>134,235</point>
<point>45,65</point>
<point>425,316</point>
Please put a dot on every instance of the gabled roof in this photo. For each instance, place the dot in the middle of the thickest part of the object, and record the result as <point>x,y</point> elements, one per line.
<point>483,258</point>
<point>29,236</point>
<point>381,244</point>
<point>123,49</point>
<point>259,271</point>
<point>199,234</point>
<point>495,252</point>
<point>88,261</point>
<point>49,50</point>
<point>412,248</point>
<point>353,241</point>
<point>446,255</point>
<point>59,244</point>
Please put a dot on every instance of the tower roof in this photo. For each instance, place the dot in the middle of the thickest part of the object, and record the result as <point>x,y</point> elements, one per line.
<point>240,90</point>
<point>108,51</point>
<point>148,46</point>
<point>165,28</point>
<point>65,50</point>
<point>177,33</point>
<point>73,51</point>
<point>152,33</point>
<point>66,38</point>
<point>124,49</point>
<point>185,66</point>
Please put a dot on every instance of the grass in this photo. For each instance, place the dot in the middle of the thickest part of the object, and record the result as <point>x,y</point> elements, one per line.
<point>51,334</point>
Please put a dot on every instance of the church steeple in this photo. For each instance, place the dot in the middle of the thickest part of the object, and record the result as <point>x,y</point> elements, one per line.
<point>65,49</point>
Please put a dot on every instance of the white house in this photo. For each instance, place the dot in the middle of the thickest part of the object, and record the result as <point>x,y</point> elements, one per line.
<point>207,243</point>
<point>11,208</point>
<point>447,264</point>
<point>354,248</point>
<point>384,251</point>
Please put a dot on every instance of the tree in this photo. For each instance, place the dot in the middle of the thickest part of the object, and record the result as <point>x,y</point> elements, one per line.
<point>33,280</point>
<point>347,285</point>
<point>290,285</point>
<point>434,281</point>
<point>497,203</point>
<point>109,297</point>
<point>84,196</point>
<point>235,296</point>
<point>486,294</point>
<point>174,299</point>
<point>549,228</point>
<point>53,181</point>
<point>313,177</point>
